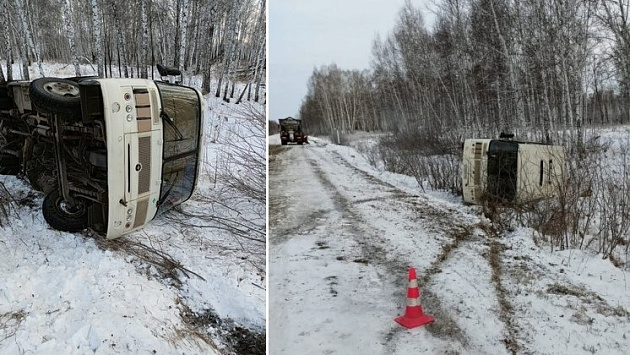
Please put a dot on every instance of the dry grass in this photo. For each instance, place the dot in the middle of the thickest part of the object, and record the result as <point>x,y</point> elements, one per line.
<point>274,150</point>
<point>7,204</point>
<point>167,266</point>
<point>235,339</point>
<point>10,323</point>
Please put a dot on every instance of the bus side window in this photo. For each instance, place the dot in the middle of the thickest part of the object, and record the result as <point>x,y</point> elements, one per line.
<point>550,171</point>
<point>542,163</point>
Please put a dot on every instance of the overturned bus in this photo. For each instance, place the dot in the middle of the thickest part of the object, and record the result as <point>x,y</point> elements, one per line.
<point>510,171</point>
<point>109,154</point>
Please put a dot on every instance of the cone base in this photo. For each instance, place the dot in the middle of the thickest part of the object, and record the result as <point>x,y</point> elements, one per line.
<point>414,322</point>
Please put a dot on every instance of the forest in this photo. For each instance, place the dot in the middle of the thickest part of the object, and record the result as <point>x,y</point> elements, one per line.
<point>548,71</point>
<point>537,68</point>
<point>127,38</point>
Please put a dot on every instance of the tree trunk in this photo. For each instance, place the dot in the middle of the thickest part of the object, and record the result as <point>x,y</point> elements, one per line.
<point>21,10</point>
<point>122,56</point>
<point>258,84</point>
<point>98,38</point>
<point>145,40</point>
<point>7,41</point>
<point>228,56</point>
<point>178,33</point>
<point>183,37</point>
<point>261,48</point>
<point>67,17</point>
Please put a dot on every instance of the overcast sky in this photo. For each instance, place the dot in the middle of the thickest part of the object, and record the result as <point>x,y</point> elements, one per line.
<point>307,34</point>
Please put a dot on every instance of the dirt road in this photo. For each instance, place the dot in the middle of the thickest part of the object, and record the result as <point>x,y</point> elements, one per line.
<point>341,240</point>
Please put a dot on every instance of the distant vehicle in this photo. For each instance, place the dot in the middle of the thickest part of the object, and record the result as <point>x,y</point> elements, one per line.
<point>110,154</point>
<point>510,171</point>
<point>291,131</point>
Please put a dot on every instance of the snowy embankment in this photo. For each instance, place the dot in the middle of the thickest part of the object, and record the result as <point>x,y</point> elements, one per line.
<point>342,234</point>
<point>66,293</point>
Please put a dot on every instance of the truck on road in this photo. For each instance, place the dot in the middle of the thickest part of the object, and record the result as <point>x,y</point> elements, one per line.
<point>291,131</point>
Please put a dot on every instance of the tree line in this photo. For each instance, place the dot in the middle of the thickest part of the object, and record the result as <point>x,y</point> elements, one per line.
<point>543,69</point>
<point>125,38</point>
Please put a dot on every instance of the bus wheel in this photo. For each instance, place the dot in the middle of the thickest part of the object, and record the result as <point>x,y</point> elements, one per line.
<point>56,96</point>
<point>61,216</point>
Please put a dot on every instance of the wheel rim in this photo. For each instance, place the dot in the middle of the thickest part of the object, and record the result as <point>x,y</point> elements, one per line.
<point>62,89</point>
<point>77,211</point>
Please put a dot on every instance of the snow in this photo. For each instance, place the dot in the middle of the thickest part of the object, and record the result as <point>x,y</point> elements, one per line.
<point>63,293</point>
<point>343,233</point>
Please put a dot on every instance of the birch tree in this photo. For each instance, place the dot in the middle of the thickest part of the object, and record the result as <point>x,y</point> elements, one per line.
<point>208,29</point>
<point>260,53</point>
<point>97,37</point>
<point>615,18</point>
<point>122,53</point>
<point>229,56</point>
<point>7,43</point>
<point>144,28</point>
<point>67,16</point>
<point>21,10</point>
<point>183,36</point>
<point>132,35</point>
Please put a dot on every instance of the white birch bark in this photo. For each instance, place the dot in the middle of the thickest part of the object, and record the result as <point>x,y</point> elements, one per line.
<point>260,64</point>
<point>21,45</point>
<point>183,37</point>
<point>21,10</point>
<point>520,119</point>
<point>228,56</point>
<point>209,34</point>
<point>98,38</point>
<point>261,47</point>
<point>144,27</point>
<point>67,19</point>
<point>7,42</point>
<point>121,42</point>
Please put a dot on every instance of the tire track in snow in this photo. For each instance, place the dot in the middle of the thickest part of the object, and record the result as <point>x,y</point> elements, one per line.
<point>506,312</point>
<point>446,328</point>
<point>459,227</point>
<point>505,271</point>
<point>282,228</point>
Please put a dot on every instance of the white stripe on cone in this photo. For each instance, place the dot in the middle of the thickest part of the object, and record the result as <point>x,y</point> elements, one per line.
<point>413,302</point>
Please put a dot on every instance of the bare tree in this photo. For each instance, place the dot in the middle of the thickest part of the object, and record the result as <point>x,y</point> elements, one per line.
<point>8,50</point>
<point>67,16</point>
<point>144,28</point>
<point>21,10</point>
<point>208,27</point>
<point>615,18</point>
<point>122,53</point>
<point>230,55</point>
<point>131,34</point>
<point>183,36</point>
<point>98,38</point>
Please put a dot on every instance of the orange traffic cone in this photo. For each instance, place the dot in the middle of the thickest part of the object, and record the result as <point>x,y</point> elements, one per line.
<point>414,316</point>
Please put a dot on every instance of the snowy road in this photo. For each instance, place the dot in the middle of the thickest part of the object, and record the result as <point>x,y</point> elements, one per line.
<point>343,235</point>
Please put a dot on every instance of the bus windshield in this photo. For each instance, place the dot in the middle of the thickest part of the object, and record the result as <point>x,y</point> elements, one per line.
<point>181,122</point>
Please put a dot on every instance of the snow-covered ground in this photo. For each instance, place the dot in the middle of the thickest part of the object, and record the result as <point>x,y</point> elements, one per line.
<point>63,293</point>
<point>343,234</point>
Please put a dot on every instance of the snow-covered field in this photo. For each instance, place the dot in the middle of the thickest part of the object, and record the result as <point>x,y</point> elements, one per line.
<point>63,293</point>
<point>342,235</point>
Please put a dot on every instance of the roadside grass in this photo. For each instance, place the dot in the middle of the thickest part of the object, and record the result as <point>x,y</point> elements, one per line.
<point>274,149</point>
